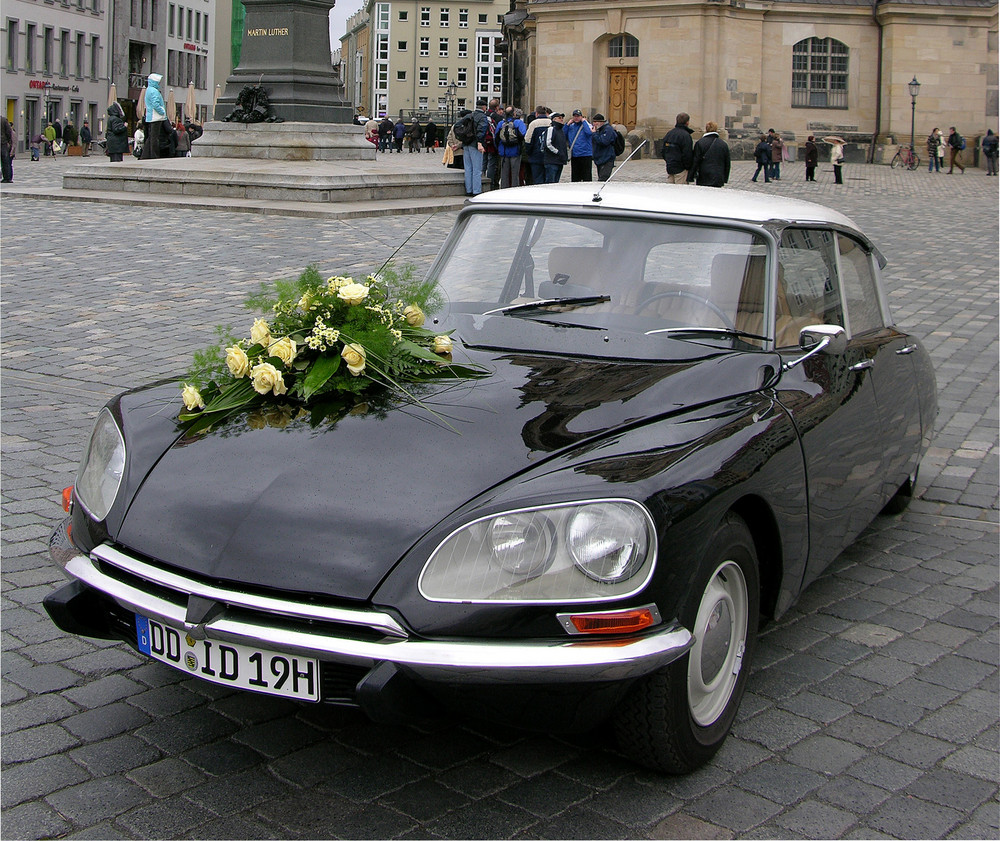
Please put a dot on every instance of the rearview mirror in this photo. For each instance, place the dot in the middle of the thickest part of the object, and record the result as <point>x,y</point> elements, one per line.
<point>830,339</point>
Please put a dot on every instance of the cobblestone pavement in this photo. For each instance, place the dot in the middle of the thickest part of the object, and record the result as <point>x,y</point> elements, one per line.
<point>872,708</point>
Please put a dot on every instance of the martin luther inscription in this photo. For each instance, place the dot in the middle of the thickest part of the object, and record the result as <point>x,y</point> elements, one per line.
<point>255,33</point>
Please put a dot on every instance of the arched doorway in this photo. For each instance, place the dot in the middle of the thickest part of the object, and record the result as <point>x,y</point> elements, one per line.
<point>623,79</point>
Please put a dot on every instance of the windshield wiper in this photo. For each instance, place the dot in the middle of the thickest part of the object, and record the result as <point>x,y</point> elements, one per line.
<point>547,303</point>
<point>724,331</point>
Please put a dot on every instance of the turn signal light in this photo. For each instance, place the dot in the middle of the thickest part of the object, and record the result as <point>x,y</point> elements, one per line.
<point>67,498</point>
<point>617,622</point>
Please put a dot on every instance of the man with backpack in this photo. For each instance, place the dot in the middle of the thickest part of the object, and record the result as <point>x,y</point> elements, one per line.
<point>534,145</point>
<point>606,143</point>
<point>471,131</point>
<point>956,143</point>
<point>510,142</point>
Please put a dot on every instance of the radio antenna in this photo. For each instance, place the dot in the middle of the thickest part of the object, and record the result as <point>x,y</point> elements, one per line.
<point>597,195</point>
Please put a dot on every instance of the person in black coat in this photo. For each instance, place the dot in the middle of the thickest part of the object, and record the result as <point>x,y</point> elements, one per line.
<point>116,137</point>
<point>812,158</point>
<point>678,151</point>
<point>556,151</point>
<point>762,154</point>
<point>711,164</point>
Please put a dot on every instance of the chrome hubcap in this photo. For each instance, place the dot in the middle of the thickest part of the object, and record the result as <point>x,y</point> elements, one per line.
<point>720,631</point>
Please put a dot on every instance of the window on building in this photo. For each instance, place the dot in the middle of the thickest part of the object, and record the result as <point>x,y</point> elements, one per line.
<point>95,56</point>
<point>425,15</point>
<point>422,103</point>
<point>204,29</point>
<point>623,46</point>
<point>463,47</point>
<point>462,79</point>
<point>64,53</point>
<point>80,52</point>
<point>403,15</point>
<point>463,18</point>
<point>170,19</point>
<point>48,45</point>
<point>382,47</point>
<point>144,6</point>
<point>12,33</point>
<point>197,26</point>
<point>383,16</point>
<point>482,19</point>
<point>29,47</point>
<point>382,78</point>
<point>445,16</point>
<point>154,14</point>
<point>424,76</point>
<point>400,75</point>
<point>401,46</point>
<point>443,47</point>
<point>442,77</point>
<point>819,73</point>
<point>425,46</point>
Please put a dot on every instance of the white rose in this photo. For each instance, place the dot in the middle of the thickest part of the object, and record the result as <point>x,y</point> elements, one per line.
<point>354,355</point>
<point>442,344</point>
<point>414,315</point>
<point>260,333</point>
<point>353,293</point>
<point>238,361</point>
<point>284,349</point>
<point>267,378</point>
<point>192,398</point>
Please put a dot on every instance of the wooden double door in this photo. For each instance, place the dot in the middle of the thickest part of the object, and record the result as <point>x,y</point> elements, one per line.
<point>623,86</point>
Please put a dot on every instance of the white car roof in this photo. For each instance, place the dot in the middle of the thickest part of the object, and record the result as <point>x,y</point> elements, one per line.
<point>681,199</point>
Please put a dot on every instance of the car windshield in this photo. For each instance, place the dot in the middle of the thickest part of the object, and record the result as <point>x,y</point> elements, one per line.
<point>616,273</point>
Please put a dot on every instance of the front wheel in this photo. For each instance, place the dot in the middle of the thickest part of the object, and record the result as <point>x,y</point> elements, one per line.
<point>675,719</point>
<point>896,161</point>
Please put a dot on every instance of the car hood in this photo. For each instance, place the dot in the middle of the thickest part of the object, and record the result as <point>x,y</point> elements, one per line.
<point>328,506</point>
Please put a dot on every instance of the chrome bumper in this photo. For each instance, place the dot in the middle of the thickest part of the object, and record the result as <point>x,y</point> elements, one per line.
<point>244,618</point>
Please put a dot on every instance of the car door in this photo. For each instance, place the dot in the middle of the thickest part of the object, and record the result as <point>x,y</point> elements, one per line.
<point>831,397</point>
<point>890,354</point>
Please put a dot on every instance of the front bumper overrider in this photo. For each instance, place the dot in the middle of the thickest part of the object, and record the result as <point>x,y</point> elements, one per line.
<point>359,637</point>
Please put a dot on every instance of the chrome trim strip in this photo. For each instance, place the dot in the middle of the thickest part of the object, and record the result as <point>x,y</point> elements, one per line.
<point>298,610</point>
<point>453,661</point>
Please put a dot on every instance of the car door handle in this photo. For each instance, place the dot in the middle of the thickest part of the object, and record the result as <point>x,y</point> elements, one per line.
<point>864,363</point>
<point>906,350</point>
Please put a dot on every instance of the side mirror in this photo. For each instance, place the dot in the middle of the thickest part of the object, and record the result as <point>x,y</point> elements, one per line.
<point>830,339</point>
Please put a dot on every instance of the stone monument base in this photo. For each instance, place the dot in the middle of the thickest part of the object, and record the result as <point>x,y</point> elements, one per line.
<point>284,142</point>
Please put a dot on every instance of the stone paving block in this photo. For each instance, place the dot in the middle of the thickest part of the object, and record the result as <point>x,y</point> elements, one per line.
<point>34,820</point>
<point>36,742</point>
<point>487,820</point>
<point>427,799</point>
<point>31,780</point>
<point>884,772</point>
<point>734,808</point>
<point>165,777</point>
<point>948,788</point>
<point>42,710</point>
<point>824,754</point>
<point>816,820</point>
<point>852,794</point>
<point>164,820</point>
<point>635,805</point>
<point>97,800</point>
<point>111,720</point>
<point>680,825</point>
<point>114,756</point>
<point>908,817</point>
<point>780,781</point>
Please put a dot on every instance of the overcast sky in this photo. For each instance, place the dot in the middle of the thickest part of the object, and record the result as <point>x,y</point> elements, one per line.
<point>339,14</point>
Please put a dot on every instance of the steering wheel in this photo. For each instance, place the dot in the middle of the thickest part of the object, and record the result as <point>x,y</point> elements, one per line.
<point>680,293</point>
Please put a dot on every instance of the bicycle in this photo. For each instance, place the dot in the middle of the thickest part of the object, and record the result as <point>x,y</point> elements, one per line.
<point>905,156</point>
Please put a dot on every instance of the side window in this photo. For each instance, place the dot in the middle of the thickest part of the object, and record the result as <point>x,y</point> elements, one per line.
<point>863,310</point>
<point>808,290</point>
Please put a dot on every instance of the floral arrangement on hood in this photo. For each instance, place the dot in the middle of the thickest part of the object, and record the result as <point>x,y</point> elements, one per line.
<point>323,337</point>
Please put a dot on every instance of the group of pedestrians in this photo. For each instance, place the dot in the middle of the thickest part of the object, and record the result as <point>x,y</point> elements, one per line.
<point>508,148</point>
<point>388,136</point>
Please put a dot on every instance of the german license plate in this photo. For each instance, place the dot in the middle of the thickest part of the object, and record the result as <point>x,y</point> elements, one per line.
<point>228,663</point>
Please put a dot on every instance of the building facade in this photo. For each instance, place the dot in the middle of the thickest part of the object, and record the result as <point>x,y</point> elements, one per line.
<point>799,66</point>
<point>62,56</point>
<point>354,62</point>
<point>56,64</point>
<point>433,58</point>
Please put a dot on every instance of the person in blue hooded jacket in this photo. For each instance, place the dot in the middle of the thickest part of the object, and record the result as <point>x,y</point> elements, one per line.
<point>603,142</point>
<point>581,151</point>
<point>156,114</point>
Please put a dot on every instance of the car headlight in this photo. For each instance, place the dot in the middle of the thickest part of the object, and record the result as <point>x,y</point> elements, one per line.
<point>572,552</point>
<point>101,470</point>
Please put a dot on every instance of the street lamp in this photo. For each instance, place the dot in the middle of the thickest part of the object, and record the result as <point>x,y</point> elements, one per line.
<point>914,87</point>
<point>449,95</point>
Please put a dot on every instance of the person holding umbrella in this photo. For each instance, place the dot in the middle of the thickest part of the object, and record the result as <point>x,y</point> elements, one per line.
<point>836,156</point>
